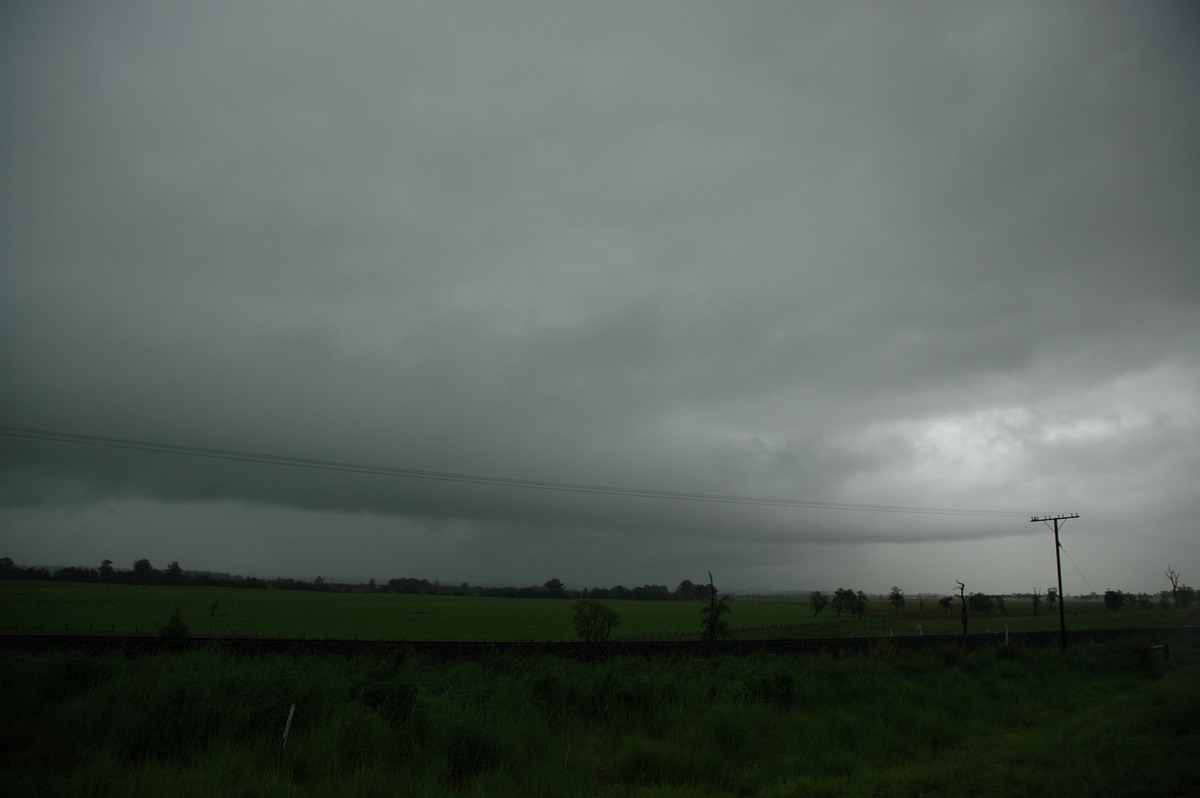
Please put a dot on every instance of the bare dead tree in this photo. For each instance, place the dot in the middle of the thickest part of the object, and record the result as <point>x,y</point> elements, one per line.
<point>1173,577</point>
<point>962,600</point>
<point>712,625</point>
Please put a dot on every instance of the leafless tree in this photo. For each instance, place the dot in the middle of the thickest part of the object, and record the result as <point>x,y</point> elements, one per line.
<point>962,600</point>
<point>712,625</point>
<point>1173,577</point>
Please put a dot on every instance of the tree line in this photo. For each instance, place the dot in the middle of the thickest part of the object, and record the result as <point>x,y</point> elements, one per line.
<point>1182,596</point>
<point>143,572</point>
<point>853,602</point>
<point>594,621</point>
<point>550,589</point>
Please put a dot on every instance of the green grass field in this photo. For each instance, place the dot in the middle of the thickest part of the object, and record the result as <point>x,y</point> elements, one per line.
<point>129,609</point>
<point>33,607</point>
<point>1100,720</point>
<point>1105,719</point>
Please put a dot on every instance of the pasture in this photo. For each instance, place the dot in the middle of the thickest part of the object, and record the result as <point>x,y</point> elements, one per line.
<point>1102,719</point>
<point>1105,719</point>
<point>30,607</point>
<point>132,609</point>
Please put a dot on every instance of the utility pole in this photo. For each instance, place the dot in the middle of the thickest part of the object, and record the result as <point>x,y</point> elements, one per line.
<point>1062,604</point>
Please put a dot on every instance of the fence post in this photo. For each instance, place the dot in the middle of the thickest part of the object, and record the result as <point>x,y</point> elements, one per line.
<point>286,728</point>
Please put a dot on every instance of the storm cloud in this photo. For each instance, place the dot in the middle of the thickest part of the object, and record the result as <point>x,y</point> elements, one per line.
<point>927,255</point>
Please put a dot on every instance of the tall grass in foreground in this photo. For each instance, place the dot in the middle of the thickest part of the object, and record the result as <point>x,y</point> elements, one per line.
<point>1104,720</point>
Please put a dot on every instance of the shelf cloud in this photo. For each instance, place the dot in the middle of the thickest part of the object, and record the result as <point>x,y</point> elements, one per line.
<point>877,261</point>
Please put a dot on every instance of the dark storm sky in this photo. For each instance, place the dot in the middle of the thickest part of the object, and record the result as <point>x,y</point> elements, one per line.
<point>930,255</point>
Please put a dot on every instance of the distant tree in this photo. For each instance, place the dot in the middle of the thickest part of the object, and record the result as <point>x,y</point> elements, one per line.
<point>319,584</point>
<point>173,573</point>
<point>554,588</point>
<point>593,621</point>
<point>817,601</point>
<point>896,597</point>
<point>107,572</point>
<point>143,572</point>
<point>1187,595</point>
<point>73,573</point>
<point>712,625</point>
<point>1114,600</point>
<point>1165,600</point>
<point>6,566</point>
<point>946,603</point>
<point>921,605</point>
<point>1051,598</point>
<point>1037,601</point>
<point>843,599</point>
<point>409,585</point>
<point>688,591</point>
<point>980,604</point>
<point>650,593</point>
<point>858,605</point>
<point>1173,577</point>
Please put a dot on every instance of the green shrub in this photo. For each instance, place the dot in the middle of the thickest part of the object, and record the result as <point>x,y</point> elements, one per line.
<point>174,627</point>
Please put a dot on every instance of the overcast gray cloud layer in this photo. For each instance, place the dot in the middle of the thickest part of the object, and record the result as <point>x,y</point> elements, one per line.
<point>930,255</point>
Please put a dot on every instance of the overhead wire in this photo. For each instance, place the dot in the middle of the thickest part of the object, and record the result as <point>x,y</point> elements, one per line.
<point>1076,567</point>
<point>477,479</point>
<point>1109,528</point>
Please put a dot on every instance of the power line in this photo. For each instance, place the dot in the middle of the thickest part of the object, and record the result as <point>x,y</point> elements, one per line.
<point>1155,539</point>
<point>1067,554</point>
<point>476,479</point>
<point>1062,615</point>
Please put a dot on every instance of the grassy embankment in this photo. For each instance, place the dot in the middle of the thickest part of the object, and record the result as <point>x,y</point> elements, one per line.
<point>1103,720</point>
<point>32,607</point>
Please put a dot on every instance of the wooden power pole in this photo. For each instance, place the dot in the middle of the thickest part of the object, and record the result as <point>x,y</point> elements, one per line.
<point>1062,612</point>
